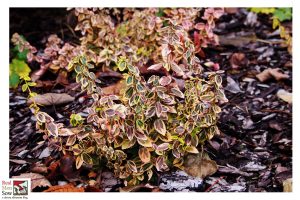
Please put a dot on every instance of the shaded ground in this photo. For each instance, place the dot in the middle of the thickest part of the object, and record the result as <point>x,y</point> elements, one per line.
<point>254,150</point>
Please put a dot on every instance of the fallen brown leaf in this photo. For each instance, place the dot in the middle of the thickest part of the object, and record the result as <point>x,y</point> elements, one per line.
<point>47,85</point>
<point>62,78</point>
<point>37,180</point>
<point>49,99</point>
<point>235,40</point>
<point>39,168</point>
<point>53,170</point>
<point>114,89</point>
<point>199,166</point>
<point>238,60</point>
<point>64,188</point>
<point>67,168</point>
<point>92,174</point>
<point>269,73</point>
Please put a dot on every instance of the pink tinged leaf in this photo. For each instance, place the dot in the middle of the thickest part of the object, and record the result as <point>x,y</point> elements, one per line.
<point>165,80</point>
<point>158,109</point>
<point>177,92</point>
<point>76,150</point>
<point>171,109</point>
<point>82,135</point>
<point>187,139</point>
<point>144,155</point>
<point>71,140</point>
<point>162,147</point>
<point>131,165</point>
<point>129,132</point>
<point>169,101</point>
<point>160,89</point>
<point>187,24</point>
<point>52,128</point>
<point>160,126</point>
<point>145,143</point>
<point>218,13</point>
<point>152,78</point>
<point>150,112</point>
<point>160,164</point>
<point>179,130</point>
<point>139,135</point>
<point>110,112</point>
<point>65,132</point>
<point>165,51</point>
<point>155,66</point>
<point>113,97</point>
<point>165,108</point>
<point>161,95</point>
<point>200,26</point>
<point>103,100</point>
<point>177,69</point>
<point>175,149</point>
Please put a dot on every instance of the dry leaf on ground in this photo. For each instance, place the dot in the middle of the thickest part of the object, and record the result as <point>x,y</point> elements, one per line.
<point>49,99</point>
<point>269,73</point>
<point>235,40</point>
<point>238,60</point>
<point>285,96</point>
<point>199,166</point>
<point>39,168</point>
<point>37,180</point>
<point>114,89</point>
<point>65,188</point>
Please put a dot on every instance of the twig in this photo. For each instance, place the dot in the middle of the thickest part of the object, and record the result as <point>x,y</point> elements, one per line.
<point>277,111</point>
<point>216,182</point>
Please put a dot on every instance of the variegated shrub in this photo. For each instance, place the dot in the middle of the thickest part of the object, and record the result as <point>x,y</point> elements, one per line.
<point>154,124</point>
<point>108,33</point>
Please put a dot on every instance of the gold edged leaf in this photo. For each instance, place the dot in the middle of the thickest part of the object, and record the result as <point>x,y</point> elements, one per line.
<point>160,126</point>
<point>191,149</point>
<point>144,155</point>
<point>177,92</point>
<point>79,162</point>
<point>71,140</point>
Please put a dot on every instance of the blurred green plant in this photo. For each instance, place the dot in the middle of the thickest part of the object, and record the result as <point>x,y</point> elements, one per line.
<point>17,69</point>
<point>278,15</point>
